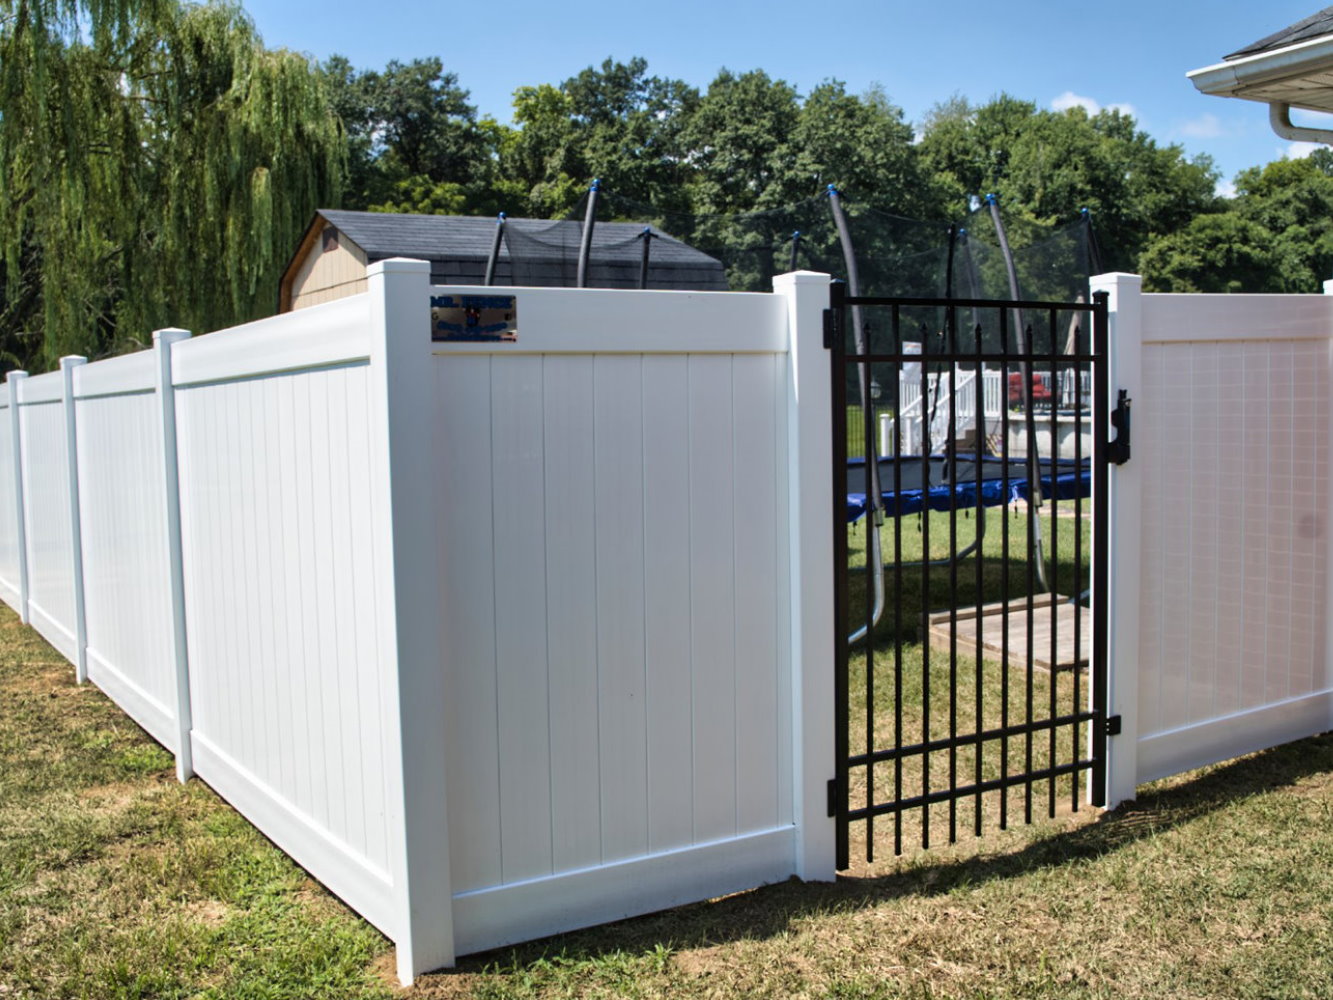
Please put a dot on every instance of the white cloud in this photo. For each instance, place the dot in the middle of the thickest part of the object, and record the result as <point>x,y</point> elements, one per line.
<point>1205,127</point>
<point>1300,150</point>
<point>1069,99</point>
<point>1225,189</point>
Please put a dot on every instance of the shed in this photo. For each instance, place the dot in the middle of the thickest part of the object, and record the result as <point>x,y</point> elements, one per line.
<point>331,259</point>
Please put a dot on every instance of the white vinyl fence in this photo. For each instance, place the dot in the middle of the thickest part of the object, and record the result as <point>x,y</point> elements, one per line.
<point>495,639</point>
<point>1220,527</point>
<point>502,639</point>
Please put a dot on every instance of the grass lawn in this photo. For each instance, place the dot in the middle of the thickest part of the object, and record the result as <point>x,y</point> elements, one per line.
<point>116,882</point>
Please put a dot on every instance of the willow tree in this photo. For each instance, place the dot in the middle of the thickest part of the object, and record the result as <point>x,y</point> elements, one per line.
<point>157,165</point>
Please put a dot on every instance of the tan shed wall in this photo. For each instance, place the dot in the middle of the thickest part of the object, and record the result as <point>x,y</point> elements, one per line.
<point>323,277</point>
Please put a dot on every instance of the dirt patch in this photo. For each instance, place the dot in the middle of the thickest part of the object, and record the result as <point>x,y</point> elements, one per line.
<point>211,913</point>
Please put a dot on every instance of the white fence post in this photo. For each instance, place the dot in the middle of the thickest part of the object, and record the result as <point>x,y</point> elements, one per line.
<point>67,366</point>
<point>403,386</point>
<point>810,491</point>
<point>1328,596</point>
<point>166,408</point>
<point>1125,306</point>
<point>16,445</point>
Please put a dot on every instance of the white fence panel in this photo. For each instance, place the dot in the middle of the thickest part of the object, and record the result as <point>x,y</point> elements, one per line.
<point>49,528</point>
<point>10,581</point>
<point>287,684</point>
<point>556,690</point>
<point>126,569</point>
<point>615,608</point>
<point>1232,433</point>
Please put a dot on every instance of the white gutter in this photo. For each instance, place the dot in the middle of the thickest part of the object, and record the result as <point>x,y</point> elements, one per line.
<point>1225,78</point>
<point>1304,59</point>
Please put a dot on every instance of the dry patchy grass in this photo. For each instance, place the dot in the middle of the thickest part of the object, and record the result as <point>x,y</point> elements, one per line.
<point>116,882</point>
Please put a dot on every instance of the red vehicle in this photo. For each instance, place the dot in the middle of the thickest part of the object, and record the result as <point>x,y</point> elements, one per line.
<point>1041,395</point>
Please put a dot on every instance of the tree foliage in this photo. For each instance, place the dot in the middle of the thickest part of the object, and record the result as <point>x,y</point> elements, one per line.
<point>156,166</point>
<point>1276,235</point>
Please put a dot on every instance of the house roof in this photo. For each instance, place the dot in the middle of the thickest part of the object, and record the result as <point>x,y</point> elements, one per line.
<point>1311,27</point>
<point>1290,68</point>
<point>534,251</point>
<point>435,237</point>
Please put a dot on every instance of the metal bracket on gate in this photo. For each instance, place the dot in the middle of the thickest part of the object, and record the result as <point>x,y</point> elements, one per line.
<point>1117,451</point>
<point>1113,725</point>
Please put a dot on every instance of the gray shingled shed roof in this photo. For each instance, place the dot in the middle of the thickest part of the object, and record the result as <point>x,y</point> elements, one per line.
<point>538,252</point>
<point>1311,27</point>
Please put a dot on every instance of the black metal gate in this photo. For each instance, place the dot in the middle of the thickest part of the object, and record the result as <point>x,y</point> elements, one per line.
<point>970,450</point>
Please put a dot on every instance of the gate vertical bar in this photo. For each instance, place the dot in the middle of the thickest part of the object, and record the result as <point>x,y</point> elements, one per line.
<point>897,344</point>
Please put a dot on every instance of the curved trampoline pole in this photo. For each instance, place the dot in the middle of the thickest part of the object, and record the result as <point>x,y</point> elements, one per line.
<point>495,250</point>
<point>585,245</point>
<point>647,237</point>
<point>1095,265</point>
<point>1029,417</point>
<point>875,499</point>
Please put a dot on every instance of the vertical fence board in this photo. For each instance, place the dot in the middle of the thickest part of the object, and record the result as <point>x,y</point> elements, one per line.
<point>469,518</point>
<point>668,613</point>
<point>620,544</point>
<point>757,543</point>
<point>49,531</point>
<point>520,618</point>
<point>712,596</point>
<point>570,491</point>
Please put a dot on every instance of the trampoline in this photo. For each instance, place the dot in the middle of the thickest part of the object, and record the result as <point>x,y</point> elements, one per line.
<point>1001,483</point>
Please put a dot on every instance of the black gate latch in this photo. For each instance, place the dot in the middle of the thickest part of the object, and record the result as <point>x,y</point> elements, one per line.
<point>1117,452</point>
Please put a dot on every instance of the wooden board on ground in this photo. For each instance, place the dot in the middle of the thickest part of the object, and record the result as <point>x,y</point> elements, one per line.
<point>1048,613</point>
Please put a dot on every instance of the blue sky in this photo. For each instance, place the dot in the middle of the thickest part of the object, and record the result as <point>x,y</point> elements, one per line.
<point>1133,53</point>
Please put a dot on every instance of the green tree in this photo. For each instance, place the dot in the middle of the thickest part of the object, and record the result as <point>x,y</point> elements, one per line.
<point>614,122</point>
<point>414,140</point>
<point>157,164</point>
<point>1276,235</point>
<point>1046,165</point>
<point>1218,252</point>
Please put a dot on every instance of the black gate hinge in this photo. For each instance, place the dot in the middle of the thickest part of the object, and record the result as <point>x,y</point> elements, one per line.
<point>833,797</point>
<point>1117,451</point>
<point>830,328</point>
<point>1113,725</point>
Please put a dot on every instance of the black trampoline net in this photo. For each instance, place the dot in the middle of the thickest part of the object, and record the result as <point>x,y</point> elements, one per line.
<point>634,245</point>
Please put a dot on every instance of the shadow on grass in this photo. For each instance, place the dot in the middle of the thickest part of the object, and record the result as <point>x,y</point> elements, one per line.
<point>771,910</point>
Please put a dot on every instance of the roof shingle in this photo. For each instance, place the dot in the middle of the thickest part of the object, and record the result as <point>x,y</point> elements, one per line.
<point>1312,27</point>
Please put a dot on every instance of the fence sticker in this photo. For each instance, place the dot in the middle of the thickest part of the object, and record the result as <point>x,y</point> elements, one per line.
<point>473,317</point>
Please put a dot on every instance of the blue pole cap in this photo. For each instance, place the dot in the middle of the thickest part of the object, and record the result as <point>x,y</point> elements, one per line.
<point>1084,212</point>
<point>832,191</point>
<point>500,219</point>
<point>796,234</point>
<point>992,199</point>
<point>596,185</point>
